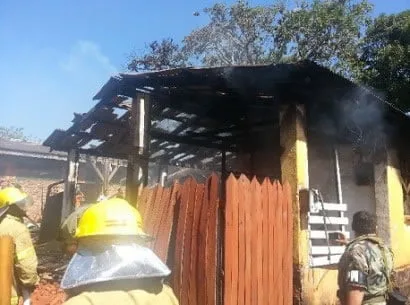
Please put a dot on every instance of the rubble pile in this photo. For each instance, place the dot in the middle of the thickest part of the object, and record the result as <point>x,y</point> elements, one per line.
<point>51,266</point>
<point>48,293</point>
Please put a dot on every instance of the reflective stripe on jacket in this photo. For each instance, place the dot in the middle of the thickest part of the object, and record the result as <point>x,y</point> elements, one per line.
<point>25,259</point>
<point>165,296</point>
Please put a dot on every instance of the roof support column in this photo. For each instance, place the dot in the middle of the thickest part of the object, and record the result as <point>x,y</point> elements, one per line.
<point>70,183</point>
<point>294,166</point>
<point>137,170</point>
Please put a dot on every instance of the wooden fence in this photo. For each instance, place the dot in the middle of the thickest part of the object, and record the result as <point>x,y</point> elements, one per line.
<point>258,243</point>
<point>256,240</point>
<point>183,220</point>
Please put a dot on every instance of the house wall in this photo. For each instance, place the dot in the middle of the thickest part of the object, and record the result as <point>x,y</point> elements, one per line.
<point>322,282</point>
<point>322,176</point>
<point>389,185</point>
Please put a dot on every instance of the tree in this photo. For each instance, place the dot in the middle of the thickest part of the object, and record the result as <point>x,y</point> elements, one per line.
<point>15,133</point>
<point>327,31</point>
<point>165,54</point>
<point>386,57</point>
<point>235,35</point>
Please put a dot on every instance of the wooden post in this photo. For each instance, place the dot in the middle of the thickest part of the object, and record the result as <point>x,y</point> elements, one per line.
<point>110,168</point>
<point>137,170</point>
<point>162,174</point>
<point>6,270</point>
<point>70,183</point>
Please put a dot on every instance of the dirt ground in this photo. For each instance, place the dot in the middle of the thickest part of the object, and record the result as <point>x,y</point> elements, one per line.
<point>51,267</point>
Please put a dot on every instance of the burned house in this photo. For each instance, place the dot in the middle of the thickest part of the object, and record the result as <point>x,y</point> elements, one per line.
<point>327,137</point>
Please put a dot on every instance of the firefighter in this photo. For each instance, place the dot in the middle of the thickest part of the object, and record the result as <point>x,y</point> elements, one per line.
<point>112,264</point>
<point>12,205</point>
<point>68,228</point>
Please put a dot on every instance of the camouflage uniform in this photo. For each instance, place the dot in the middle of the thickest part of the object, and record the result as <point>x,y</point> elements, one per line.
<point>25,259</point>
<point>366,263</point>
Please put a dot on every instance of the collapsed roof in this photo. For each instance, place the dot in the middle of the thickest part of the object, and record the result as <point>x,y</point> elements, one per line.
<point>196,113</point>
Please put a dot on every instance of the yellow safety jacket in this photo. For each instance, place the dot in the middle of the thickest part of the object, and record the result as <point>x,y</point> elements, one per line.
<point>155,295</point>
<point>25,259</point>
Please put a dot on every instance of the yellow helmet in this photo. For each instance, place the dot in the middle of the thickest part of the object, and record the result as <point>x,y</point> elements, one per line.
<point>12,195</point>
<point>111,217</point>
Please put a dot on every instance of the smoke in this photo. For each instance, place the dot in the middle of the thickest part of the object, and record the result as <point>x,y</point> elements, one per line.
<point>361,115</point>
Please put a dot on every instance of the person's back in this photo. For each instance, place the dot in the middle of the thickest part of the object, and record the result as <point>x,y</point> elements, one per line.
<point>128,292</point>
<point>365,267</point>
<point>111,248</point>
<point>364,257</point>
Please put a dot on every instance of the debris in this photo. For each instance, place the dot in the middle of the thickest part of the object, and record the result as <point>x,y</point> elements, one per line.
<point>48,293</point>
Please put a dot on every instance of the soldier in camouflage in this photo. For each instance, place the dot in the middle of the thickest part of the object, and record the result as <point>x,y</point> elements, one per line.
<point>366,266</point>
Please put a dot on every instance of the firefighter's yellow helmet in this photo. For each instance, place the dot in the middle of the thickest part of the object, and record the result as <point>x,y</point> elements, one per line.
<point>111,217</point>
<point>13,196</point>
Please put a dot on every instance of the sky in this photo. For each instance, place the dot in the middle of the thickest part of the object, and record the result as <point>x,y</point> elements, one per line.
<point>56,55</point>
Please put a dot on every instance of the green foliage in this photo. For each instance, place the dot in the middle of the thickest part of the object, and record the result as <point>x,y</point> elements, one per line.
<point>327,32</point>
<point>165,54</point>
<point>235,35</point>
<point>386,57</point>
<point>241,34</point>
<point>15,133</point>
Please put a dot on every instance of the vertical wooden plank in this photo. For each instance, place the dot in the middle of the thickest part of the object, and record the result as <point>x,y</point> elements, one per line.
<point>259,249</point>
<point>241,242</point>
<point>233,242</point>
<point>186,259</point>
<point>235,247</point>
<point>253,228</point>
<point>166,229</point>
<point>273,198</point>
<point>157,214</point>
<point>265,241</point>
<point>152,213</point>
<point>143,207</point>
<point>279,244</point>
<point>161,234</point>
<point>289,222</point>
<point>245,185</point>
<point>201,266</point>
<point>179,243</point>
<point>173,224</point>
<point>229,250</point>
<point>211,241</point>
<point>193,280</point>
<point>285,253</point>
<point>141,200</point>
<point>147,209</point>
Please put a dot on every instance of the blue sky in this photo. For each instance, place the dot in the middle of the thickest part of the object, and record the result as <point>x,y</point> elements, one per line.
<point>55,55</point>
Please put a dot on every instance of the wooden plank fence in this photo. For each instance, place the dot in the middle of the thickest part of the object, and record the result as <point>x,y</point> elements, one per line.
<point>183,221</point>
<point>258,242</point>
<point>257,248</point>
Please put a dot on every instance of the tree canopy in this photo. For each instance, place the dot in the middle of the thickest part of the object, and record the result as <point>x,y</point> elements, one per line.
<point>242,34</point>
<point>386,57</point>
<point>15,133</point>
<point>338,34</point>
